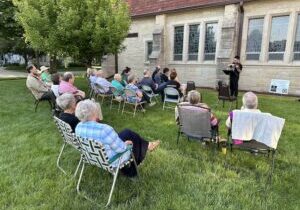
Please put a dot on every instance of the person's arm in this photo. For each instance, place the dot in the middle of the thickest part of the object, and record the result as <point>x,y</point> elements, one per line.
<point>113,140</point>
<point>239,67</point>
<point>38,85</point>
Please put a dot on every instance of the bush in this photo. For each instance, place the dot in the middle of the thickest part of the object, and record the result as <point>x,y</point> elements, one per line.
<point>76,64</point>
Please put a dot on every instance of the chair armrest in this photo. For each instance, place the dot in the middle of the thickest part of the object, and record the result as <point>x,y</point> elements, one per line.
<point>119,155</point>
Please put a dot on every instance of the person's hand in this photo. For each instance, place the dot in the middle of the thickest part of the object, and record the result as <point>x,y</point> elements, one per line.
<point>128,142</point>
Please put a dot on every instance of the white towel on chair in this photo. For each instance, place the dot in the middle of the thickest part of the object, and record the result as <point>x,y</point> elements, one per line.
<point>262,127</point>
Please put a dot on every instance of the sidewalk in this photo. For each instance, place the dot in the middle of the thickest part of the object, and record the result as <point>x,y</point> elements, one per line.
<point>10,74</point>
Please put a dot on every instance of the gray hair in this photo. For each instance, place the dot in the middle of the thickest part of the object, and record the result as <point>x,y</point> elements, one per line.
<point>117,77</point>
<point>65,101</point>
<point>194,97</point>
<point>131,78</point>
<point>67,76</point>
<point>86,109</point>
<point>250,100</point>
<point>146,72</point>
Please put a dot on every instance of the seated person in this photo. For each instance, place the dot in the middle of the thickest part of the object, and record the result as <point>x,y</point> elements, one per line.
<point>116,83</point>
<point>114,143</point>
<point>37,87</point>
<point>156,75</point>
<point>46,77</point>
<point>171,83</point>
<point>100,80</point>
<point>147,80</point>
<point>90,72</point>
<point>194,98</point>
<point>250,104</point>
<point>67,103</point>
<point>56,78</point>
<point>125,73</point>
<point>67,86</point>
<point>165,75</point>
<point>140,96</point>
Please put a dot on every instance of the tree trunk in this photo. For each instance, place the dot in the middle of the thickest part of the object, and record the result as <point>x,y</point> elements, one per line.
<point>37,59</point>
<point>53,64</point>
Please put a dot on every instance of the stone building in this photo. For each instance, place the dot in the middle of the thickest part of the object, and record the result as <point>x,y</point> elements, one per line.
<point>200,37</point>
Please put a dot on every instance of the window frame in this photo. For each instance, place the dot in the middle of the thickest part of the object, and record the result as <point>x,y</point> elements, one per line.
<point>199,40</point>
<point>147,60</point>
<point>217,40</point>
<point>173,42</point>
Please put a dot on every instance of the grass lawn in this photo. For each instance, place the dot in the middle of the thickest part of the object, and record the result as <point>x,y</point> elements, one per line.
<point>183,176</point>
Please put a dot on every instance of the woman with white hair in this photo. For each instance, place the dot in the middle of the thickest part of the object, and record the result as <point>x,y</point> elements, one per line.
<point>117,84</point>
<point>67,103</point>
<point>250,104</point>
<point>114,143</point>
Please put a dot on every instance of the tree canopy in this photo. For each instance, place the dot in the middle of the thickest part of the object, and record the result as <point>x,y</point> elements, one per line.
<point>82,29</point>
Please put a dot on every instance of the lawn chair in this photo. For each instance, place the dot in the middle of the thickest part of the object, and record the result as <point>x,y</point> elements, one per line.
<point>170,95</point>
<point>195,123</point>
<point>37,101</point>
<point>148,90</point>
<point>255,145</point>
<point>93,153</point>
<point>116,98</point>
<point>130,93</point>
<point>90,88</point>
<point>69,139</point>
<point>100,92</point>
<point>224,95</point>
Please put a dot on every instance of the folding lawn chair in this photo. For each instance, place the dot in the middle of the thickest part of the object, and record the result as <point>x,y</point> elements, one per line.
<point>37,101</point>
<point>255,125</point>
<point>194,122</point>
<point>99,91</point>
<point>224,95</point>
<point>148,90</point>
<point>116,98</point>
<point>128,94</point>
<point>69,139</point>
<point>171,95</point>
<point>93,153</point>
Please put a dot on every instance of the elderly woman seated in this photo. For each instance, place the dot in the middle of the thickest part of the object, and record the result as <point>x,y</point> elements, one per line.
<point>250,104</point>
<point>67,103</point>
<point>140,96</point>
<point>114,143</point>
<point>193,103</point>
<point>117,84</point>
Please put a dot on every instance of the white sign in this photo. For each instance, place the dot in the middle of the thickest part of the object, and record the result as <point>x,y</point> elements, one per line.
<point>279,86</point>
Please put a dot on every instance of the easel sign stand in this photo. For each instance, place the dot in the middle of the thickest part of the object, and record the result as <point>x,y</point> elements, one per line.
<point>279,86</point>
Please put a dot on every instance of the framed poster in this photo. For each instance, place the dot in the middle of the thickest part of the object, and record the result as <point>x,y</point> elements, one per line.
<point>279,86</point>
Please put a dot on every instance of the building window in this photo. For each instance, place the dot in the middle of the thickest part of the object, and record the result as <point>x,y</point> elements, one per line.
<point>278,37</point>
<point>149,48</point>
<point>178,42</point>
<point>194,32</point>
<point>297,42</point>
<point>210,41</point>
<point>254,38</point>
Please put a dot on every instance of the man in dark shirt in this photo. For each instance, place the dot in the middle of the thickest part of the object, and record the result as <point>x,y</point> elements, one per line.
<point>165,75</point>
<point>234,75</point>
<point>147,80</point>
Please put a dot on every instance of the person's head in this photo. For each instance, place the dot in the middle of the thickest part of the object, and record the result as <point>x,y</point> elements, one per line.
<point>56,78</point>
<point>131,79</point>
<point>100,74</point>
<point>194,97</point>
<point>118,77</point>
<point>87,110</point>
<point>69,77</point>
<point>236,59</point>
<point>166,70</point>
<point>31,69</point>
<point>44,69</point>
<point>173,75</point>
<point>91,72</point>
<point>250,101</point>
<point>147,73</point>
<point>66,101</point>
<point>126,70</point>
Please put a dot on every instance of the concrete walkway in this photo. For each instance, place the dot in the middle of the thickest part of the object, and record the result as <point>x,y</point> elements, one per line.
<point>10,74</point>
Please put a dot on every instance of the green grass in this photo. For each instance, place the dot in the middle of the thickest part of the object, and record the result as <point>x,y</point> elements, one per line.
<point>183,176</point>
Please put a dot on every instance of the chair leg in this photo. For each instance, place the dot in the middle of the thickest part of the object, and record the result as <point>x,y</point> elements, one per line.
<point>77,168</point>
<point>223,103</point>
<point>36,105</point>
<point>272,167</point>
<point>50,105</point>
<point>79,179</point>
<point>164,105</point>
<point>134,162</point>
<point>113,185</point>
<point>111,103</point>
<point>57,162</point>
<point>123,107</point>
<point>135,106</point>
<point>236,103</point>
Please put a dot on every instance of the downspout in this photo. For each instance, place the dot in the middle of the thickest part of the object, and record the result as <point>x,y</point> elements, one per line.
<point>241,23</point>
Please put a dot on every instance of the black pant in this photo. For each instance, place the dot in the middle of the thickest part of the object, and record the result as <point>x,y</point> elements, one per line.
<point>50,97</point>
<point>234,87</point>
<point>139,149</point>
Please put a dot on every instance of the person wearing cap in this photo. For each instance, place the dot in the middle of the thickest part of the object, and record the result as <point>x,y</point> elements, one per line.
<point>46,77</point>
<point>38,88</point>
<point>236,68</point>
